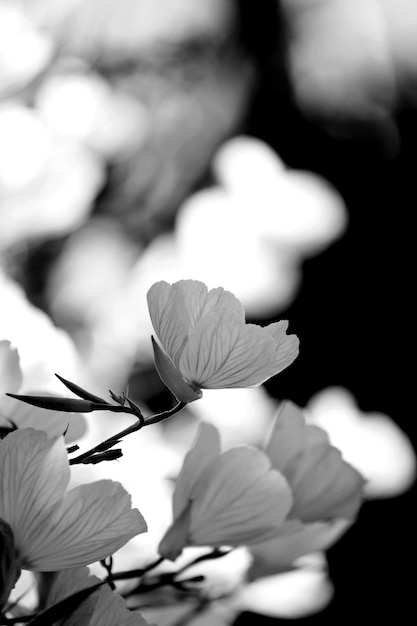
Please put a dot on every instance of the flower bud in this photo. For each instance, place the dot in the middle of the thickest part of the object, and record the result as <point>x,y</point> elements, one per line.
<point>70,405</point>
<point>56,403</point>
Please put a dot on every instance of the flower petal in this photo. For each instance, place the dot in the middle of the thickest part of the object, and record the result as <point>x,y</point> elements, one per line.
<point>172,378</point>
<point>92,522</point>
<point>323,484</point>
<point>203,454</point>
<point>200,302</point>
<point>221,353</point>
<point>34,474</point>
<point>293,541</point>
<point>102,608</point>
<point>287,439</point>
<point>176,309</point>
<point>169,317</point>
<point>286,346</point>
<point>177,536</point>
<point>243,501</point>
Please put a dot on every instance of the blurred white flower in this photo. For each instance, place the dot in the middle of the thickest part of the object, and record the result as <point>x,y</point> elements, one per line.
<point>129,24</point>
<point>249,414</point>
<point>88,278</point>
<point>84,107</point>
<point>43,348</point>
<point>401,27</point>
<point>352,62</point>
<point>304,590</point>
<point>293,208</point>
<point>47,184</point>
<point>251,232</point>
<point>24,51</point>
<point>15,414</point>
<point>371,442</point>
<point>222,576</point>
<point>89,287</point>
<point>25,147</point>
<point>250,238</point>
<point>340,58</point>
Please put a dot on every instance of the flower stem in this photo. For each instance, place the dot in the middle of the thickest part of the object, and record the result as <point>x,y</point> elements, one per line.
<point>135,573</point>
<point>114,439</point>
<point>159,417</point>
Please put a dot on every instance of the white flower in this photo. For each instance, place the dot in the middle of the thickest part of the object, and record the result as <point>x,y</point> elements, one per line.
<point>327,492</point>
<point>47,183</point>
<point>391,467</point>
<point>207,342</point>
<point>43,347</point>
<point>53,528</point>
<point>230,498</point>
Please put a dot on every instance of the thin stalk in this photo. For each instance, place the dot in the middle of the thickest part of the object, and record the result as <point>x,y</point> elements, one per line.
<point>153,419</point>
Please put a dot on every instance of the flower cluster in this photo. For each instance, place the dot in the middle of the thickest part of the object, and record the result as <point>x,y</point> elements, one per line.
<point>287,499</point>
<point>300,489</point>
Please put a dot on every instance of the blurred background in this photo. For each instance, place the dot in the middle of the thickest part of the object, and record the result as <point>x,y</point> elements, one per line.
<point>267,149</point>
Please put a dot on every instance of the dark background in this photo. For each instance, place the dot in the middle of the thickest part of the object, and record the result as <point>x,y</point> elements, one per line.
<point>355,319</point>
